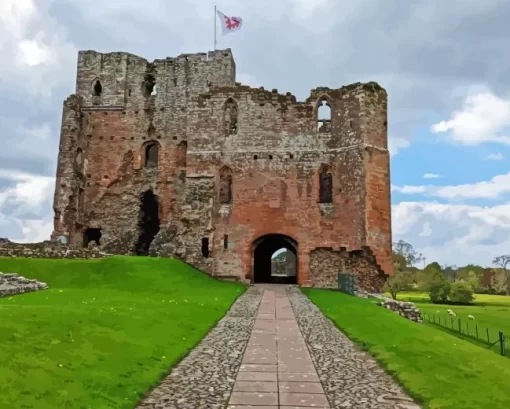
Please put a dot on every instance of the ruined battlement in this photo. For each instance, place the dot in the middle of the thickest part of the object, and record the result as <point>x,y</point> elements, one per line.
<point>124,79</point>
<point>175,158</point>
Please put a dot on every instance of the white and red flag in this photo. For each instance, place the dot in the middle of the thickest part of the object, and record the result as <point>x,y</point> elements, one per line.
<point>229,24</point>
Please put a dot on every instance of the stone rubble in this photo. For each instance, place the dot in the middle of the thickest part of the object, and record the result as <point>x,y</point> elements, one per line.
<point>46,249</point>
<point>350,378</point>
<point>405,309</point>
<point>204,379</point>
<point>11,284</point>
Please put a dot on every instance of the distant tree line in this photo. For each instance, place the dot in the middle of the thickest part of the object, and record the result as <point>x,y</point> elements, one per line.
<point>445,283</point>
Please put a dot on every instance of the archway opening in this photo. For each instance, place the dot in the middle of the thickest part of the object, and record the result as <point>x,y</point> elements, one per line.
<point>275,259</point>
<point>91,235</point>
<point>148,223</point>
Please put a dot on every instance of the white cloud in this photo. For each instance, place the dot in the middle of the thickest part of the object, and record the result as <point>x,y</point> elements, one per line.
<point>396,144</point>
<point>431,176</point>
<point>495,156</point>
<point>409,190</point>
<point>305,8</point>
<point>448,233</point>
<point>34,50</point>
<point>426,230</point>
<point>32,53</point>
<point>35,231</point>
<point>498,186</point>
<point>15,16</point>
<point>25,204</point>
<point>482,119</point>
<point>29,192</point>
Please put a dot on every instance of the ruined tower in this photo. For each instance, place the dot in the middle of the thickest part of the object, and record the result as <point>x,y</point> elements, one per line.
<point>174,158</point>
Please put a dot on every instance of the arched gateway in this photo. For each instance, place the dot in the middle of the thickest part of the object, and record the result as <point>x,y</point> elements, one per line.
<point>264,248</point>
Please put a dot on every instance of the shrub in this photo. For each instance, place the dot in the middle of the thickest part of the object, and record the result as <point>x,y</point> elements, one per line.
<point>439,290</point>
<point>461,292</point>
<point>437,286</point>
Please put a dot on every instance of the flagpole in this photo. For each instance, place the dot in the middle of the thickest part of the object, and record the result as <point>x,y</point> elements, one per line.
<point>215,27</point>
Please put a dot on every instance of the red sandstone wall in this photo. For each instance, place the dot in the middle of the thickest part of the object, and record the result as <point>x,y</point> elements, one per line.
<point>377,177</point>
<point>101,172</point>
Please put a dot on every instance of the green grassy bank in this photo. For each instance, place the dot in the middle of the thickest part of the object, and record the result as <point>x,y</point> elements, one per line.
<point>436,368</point>
<point>105,332</point>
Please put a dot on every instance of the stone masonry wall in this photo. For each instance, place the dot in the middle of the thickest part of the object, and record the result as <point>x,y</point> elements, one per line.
<point>46,249</point>
<point>326,264</point>
<point>203,126</point>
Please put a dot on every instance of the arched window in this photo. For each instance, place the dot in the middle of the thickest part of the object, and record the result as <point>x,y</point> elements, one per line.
<point>230,117</point>
<point>225,185</point>
<point>325,185</point>
<point>98,88</point>
<point>323,116</point>
<point>151,155</point>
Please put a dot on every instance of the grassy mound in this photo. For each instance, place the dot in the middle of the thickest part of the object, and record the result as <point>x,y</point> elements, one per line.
<point>435,367</point>
<point>105,332</point>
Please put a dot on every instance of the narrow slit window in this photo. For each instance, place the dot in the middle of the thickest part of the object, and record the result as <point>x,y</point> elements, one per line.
<point>205,247</point>
<point>225,241</point>
<point>98,89</point>
<point>325,185</point>
<point>230,117</point>
<point>225,185</point>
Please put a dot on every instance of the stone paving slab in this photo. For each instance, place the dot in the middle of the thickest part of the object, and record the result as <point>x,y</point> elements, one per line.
<point>277,370</point>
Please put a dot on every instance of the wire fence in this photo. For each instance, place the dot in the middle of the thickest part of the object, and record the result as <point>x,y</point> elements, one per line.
<point>491,339</point>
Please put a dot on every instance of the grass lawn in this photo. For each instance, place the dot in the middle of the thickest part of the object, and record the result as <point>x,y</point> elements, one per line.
<point>105,332</point>
<point>491,312</point>
<point>438,369</point>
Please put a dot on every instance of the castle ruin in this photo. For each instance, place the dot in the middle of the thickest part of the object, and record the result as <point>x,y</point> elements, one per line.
<point>174,158</point>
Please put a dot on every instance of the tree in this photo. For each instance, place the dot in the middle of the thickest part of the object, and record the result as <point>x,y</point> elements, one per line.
<point>424,277</point>
<point>404,255</point>
<point>400,281</point>
<point>503,261</point>
<point>473,280</point>
<point>450,272</point>
<point>280,257</point>
<point>432,267</point>
<point>435,283</point>
<point>461,292</point>
<point>498,282</point>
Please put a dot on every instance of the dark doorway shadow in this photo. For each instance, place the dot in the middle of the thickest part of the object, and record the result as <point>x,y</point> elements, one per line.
<point>148,223</point>
<point>263,250</point>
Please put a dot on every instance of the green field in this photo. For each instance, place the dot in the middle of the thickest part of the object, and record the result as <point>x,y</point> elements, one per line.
<point>491,312</point>
<point>105,332</point>
<point>436,368</point>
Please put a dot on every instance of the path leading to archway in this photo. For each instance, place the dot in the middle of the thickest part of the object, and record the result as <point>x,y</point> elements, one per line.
<point>275,349</point>
<point>277,370</point>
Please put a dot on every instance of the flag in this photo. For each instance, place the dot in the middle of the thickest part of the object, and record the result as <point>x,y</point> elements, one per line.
<point>229,24</point>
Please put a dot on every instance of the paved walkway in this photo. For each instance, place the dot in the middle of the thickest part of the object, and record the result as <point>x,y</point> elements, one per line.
<point>277,370</point>
<point>275,349</point>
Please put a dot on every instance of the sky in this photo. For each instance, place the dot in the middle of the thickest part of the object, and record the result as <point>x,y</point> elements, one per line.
<point>443,63</point>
